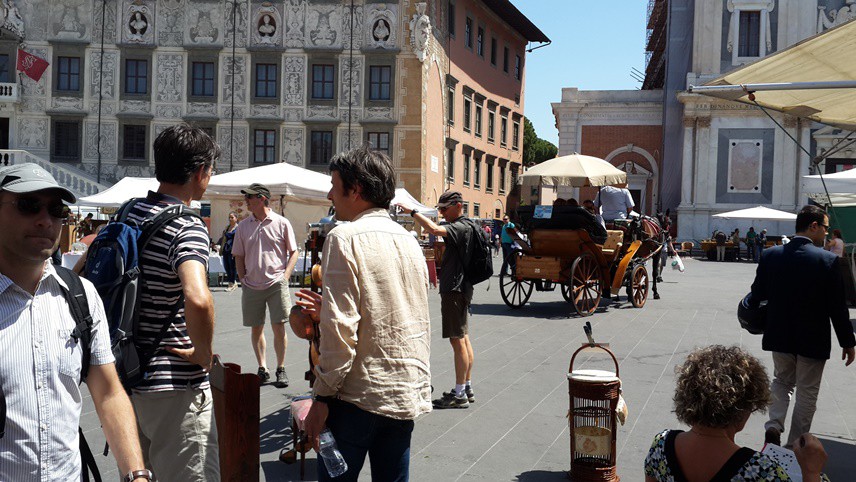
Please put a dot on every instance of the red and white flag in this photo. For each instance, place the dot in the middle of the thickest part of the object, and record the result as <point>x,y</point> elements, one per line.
<point>31,65</point>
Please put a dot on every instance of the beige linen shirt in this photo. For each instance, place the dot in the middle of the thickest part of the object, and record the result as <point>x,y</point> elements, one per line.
<point>375,329</point>
<point>266,246</point>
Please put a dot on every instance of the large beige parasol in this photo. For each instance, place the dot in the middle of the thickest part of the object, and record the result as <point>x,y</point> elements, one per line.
<point>574,170</point>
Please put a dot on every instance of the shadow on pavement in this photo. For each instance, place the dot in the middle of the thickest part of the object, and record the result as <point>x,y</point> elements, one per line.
<point>839,466</point>
<point>542,476</point>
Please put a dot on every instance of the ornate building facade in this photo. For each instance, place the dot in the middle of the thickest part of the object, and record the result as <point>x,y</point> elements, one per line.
<point>273,81</point>
<point>714,155</point>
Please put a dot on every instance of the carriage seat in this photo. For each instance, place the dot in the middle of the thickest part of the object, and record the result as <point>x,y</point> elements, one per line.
<point>614,240</point>
<point>563,217</point>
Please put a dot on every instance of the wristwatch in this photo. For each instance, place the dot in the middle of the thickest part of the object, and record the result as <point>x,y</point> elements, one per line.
<point>138,474</point>
<point>413,213</point>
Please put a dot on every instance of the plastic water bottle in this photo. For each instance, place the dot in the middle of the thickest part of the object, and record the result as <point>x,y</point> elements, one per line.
<point>333,460</point>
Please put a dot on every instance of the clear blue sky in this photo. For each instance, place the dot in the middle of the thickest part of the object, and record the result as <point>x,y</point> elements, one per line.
<point>595,45</point>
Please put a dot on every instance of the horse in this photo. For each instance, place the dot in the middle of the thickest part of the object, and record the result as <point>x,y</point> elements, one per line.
<point>654,238</point>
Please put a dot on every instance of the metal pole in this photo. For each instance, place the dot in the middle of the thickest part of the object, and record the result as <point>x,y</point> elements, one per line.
<point>350,74</point>
<point>232,111</point>
<point>100,88</point>
<point>747,88</point>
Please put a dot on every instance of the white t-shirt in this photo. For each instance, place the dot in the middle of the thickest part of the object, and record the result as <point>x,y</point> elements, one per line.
<point>615,202</point>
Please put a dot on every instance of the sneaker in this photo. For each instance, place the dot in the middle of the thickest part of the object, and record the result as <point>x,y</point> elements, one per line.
<point>264,375</point>
<point>468,391</point>
<point>773,436</point>
<point>232,287</point>
<point>281,377</point>
<point>451,401</point>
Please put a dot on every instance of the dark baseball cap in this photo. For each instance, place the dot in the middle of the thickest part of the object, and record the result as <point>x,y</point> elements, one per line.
<point>256,188</point>
<point>449,198</point>
<point>29,177</point>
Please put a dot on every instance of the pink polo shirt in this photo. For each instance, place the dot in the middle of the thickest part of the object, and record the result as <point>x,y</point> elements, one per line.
<point>265,246</point>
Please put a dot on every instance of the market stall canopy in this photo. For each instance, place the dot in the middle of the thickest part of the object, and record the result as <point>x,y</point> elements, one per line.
<point>291,182</point>
<point>126,188</point>
<point>404,197</point>
<point>813,79</point>
<point>574,170</point>
<point>843,182</point>
<point>758,212</point>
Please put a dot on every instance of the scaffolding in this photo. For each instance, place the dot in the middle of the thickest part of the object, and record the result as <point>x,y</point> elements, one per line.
<point>655,44</point>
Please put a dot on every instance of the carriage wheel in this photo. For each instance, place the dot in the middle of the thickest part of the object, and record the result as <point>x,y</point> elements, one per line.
<point>585,287</point>
<point>639,286</point>
<point>515,292</point>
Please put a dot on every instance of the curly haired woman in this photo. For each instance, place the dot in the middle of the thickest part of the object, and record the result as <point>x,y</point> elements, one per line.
<point>718,388</point>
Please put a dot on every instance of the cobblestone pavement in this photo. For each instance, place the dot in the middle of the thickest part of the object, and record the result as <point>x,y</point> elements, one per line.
<point>517,430</point>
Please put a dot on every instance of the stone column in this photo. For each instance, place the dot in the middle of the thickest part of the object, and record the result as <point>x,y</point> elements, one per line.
<point>688,163</point>
<point>705,166</point>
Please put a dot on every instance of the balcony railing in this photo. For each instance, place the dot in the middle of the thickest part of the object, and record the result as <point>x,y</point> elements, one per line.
<point>9,92</point>
<point>80,183</point>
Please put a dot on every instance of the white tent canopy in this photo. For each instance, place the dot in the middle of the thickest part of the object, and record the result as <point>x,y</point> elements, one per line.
<point>126,188</point>
<point>759,213</point>
<point>573,170</point>
<point>843,182</point>
<point>404,197</point>
<point>291,182</point>
<point>808,79</point>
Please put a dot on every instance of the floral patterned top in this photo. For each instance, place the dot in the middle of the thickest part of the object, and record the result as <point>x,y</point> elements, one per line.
<point>745,465</point>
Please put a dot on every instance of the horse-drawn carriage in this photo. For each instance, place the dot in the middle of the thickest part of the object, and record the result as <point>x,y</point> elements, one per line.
<point>572,251</point>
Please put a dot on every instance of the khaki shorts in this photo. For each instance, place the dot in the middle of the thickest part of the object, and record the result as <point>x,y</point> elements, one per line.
<point>277,299</point>
<point>455,309</point>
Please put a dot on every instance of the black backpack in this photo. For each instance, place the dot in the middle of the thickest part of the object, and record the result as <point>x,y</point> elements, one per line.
<point>479,267</point>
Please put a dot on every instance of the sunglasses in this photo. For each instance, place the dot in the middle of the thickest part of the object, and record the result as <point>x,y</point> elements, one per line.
<point>443,209</point>
<point>251,196</point>
<point>30,207</point>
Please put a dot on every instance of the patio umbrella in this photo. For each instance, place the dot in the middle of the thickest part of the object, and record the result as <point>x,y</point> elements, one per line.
<point>758,212</point>
<point>574,170</point>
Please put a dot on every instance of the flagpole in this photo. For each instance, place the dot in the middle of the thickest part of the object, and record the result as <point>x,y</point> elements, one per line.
<point>100,88</point>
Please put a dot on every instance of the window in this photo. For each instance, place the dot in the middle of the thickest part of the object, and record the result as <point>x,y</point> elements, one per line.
<point>476,209</point>
<point>517,67</point>
<point>478,120</point>
<point>505,59</point>
<point>136,76</point>
<point>264,146</point>
<point>493,51</point>
<point>451,20</point>
<point>4,68</point>
<point>66,141</point>
<point>503,131</point>
<point>468,33</point>
<point>466,169</point>
<point>134,143</point>
<point>450,164</point>
<point>501,180</point>
<point>322,82</point>
<point>749,42</point>
<point>497,213</point>
<point>202,79</point>
<point>379,141</point>
<point>480,42</point>
<point>477,173</point>
<point>466,208</point>
<point>515,136</point>
<point>68,74</point>
<point>321,147</point>
<point>450,107</point>
<point>266,80</point>
<point>491,121</point>
<point>379,82</point>
<point>468,103</point>
<point>489,182</point>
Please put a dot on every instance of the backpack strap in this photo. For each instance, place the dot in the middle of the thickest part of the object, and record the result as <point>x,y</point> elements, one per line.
<point>79,306</point>
<point>122,214</point>
<point>88,460</point>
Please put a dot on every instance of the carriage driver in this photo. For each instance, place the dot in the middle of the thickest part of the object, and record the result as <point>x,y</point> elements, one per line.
<point>616,201</point>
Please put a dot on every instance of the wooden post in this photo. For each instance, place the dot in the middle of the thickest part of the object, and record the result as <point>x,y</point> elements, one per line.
<point>236,411</point>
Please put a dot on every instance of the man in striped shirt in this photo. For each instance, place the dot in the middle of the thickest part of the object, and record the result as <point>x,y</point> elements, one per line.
<point>173,404</point>
<point>40,363</point>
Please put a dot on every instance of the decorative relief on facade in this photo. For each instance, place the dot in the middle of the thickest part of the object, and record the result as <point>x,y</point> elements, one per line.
<point>168,111</point>
<point>267,31</point>
<point>70,19</point>
<point>358,27</point>
<point>292,115</point>
<point>378,113</point>
<point>158,128</point>
<point>109,142</point>
<point>135,106</point>
<point>170,25</point>
<point>292,145</point>
<point>11,17</point>
<point>351,83</point>
<point>107,107</point>
<point>204,23</point>
<point>322,22</point>
<point>138,26</point>
<point>226,112</point>
<point>350,139</point>
<point>265,110</point>
<point>33,133</point>
<point>202,108</point>
<point>353,115</point>
<point>170,77</point>
<point>295,23</point>
<point>225,138</point>
<point>134,170</point>
<point>293,80</point>
<point>240,23</point>
<point>37,18</point>
<point>67,103</point>
<point>835,17</point>
<point>420,32</point>
<point>108,75</point>
<point>321,112</point>
<point>110,15</point>
<point>33,104</point>
<point>234,66</point>
<point>382,25</point>
<point>745,158</point>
